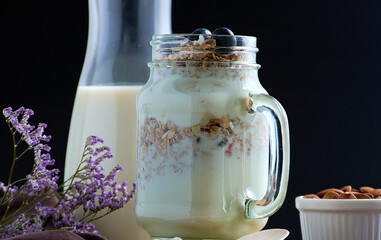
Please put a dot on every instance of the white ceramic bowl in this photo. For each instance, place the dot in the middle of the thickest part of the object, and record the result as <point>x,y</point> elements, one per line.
<point>339,219</point>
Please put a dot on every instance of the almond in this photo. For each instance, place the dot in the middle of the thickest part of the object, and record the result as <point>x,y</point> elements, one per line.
<point>331,195</point>
<point>347,195</point>
<point>362,195</point>
<point>366,189</point>
<point>323,193</point>
<point>347,192</point>
<point>311,196</point>
<point>347,188</point>
<point>376,192</point>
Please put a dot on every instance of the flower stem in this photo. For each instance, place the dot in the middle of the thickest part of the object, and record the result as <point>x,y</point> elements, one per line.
<point>12,167</point>
<point>101,216</point>
<point>23,153</point>
<point>14,158</point>
<point>65,191</point>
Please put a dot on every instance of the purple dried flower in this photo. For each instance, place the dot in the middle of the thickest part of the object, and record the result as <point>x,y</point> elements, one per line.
<point>22,225</point>
<point>41,177</point>
<point>28,132</point>
<point>89,188</point>
<point>95,190</point>
<point>92,140</point>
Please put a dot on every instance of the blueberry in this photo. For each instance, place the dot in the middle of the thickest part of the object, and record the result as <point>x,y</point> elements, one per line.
<point>224,38</point>
<point>199,31</point>
<point>223,142</point>
<point>223,31</point>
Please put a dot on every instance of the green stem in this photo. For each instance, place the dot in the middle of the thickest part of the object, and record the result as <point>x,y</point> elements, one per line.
<point>73,176</point>
<point>25,205</point>
<point>23,153</point>
<point>13,163</point>
<point>101,216</point>
<point>17,192</point>
<point>19,180</point>
<point>88,215</point>
<point>5,218</point>
<point>14,158</point>
<point>19,141</point>
<point>6,211</point>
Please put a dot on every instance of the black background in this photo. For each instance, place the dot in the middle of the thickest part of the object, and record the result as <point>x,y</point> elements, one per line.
<point>319,58</point>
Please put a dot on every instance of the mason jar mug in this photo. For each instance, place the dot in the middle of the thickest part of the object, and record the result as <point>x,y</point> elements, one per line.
<point>213,146</point>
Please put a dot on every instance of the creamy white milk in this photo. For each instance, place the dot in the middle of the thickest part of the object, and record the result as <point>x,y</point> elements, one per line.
<point>108,112</point>
<point>195,186</point>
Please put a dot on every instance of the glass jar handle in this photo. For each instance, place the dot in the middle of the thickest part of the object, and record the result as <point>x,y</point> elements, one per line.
<point>279,152</point>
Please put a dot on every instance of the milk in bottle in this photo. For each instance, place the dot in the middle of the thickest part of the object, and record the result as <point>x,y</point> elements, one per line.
<point>114,71</point>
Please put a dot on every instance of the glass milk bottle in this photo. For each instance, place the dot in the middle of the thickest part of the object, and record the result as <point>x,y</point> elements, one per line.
<point>213,146</point>
<point>114,70</point>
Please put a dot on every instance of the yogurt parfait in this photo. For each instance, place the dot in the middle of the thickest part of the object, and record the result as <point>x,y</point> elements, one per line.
<point>209,139</point>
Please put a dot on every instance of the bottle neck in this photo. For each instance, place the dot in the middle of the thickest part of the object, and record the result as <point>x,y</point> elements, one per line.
<point>118,42</point>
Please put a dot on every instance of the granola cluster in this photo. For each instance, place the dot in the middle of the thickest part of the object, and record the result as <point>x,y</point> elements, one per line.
<point>217,126</point>
<point>201,51</point>
<point>162,135</point>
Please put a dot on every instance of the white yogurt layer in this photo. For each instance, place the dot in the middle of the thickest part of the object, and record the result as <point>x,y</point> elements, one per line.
<point>178,90</point>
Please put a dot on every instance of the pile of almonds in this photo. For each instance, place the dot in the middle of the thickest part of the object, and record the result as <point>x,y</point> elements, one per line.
<point>347,192</point>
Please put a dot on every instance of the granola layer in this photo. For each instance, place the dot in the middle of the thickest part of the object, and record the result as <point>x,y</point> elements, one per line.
<point>205,54</point>
<point>167,145</point>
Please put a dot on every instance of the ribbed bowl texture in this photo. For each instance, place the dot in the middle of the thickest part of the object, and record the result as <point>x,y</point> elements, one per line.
<point>339,219</point>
